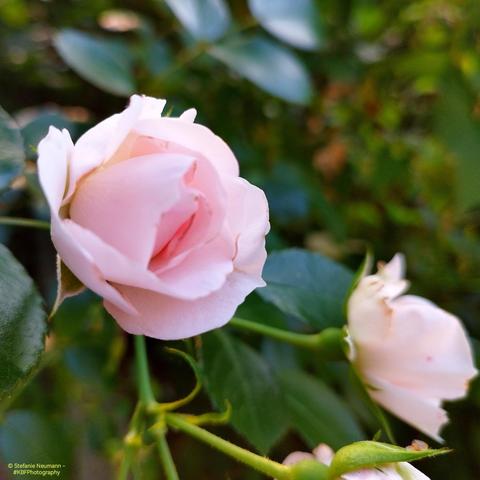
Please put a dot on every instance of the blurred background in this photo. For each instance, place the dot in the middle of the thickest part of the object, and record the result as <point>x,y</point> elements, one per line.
<point>361,121</point>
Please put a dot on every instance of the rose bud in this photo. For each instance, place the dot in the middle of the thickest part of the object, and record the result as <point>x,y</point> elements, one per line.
<point>411,354</point>
<point>150,213</point>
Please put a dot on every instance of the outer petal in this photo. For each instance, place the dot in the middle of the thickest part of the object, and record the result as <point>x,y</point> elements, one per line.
<point>397,471</point>
<point>368,313</point>
<point>123,203</point>
<point>167,318</point>
<point>194,137</point>
<point>83,265</point>
<point>189,115</point>
<point>101,142</point>
<point>381,473</point>
<point>295,457</point>
<point>247,219</point>
<point>324,454</point>
<point>418,411</point>
<point>53,157</point>
<point>394,270</point>
<point>54,151</point>
<point>438,362</point>
<point>409,472</point>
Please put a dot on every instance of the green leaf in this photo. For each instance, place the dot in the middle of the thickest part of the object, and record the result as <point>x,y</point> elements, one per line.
<point>367,454</point>
<point>460,131</point>
<point>269,65</point>
<point>27,437</point>
<point>308,286</point>
<point>11,150</point>
<point>105,63</point>
<point>235,372</point>
<point>317,413</point>
<point>204,19</point>
<point>22,324</point>
<point>297,23</point>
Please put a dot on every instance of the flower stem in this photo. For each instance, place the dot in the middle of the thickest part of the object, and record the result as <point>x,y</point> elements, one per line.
<point>166,457</point>
<point>257,462</point>
<point>143,375</point>
<point>124,466</point>
<point>25,222</point>
<point>328,342</point>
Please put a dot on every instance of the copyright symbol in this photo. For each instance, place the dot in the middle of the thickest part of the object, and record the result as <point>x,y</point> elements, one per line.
<point>10,465</point>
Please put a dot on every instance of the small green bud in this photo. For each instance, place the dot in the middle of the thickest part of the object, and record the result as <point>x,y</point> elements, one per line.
<point>309,470</point>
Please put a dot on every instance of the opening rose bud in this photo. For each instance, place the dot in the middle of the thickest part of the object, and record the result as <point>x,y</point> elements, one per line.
<point>410,353</point>
<point>150,213</point>
<point>323,454</point>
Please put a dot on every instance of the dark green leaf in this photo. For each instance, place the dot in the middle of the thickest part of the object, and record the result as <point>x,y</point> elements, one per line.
<point>309,286</point>
<point>369,454</point>
<point>297,23</point>
<point>11,150</point>
<point>204,19</point>
<point>317,413</point>
<point>105,63</point>
<point>235,372</point>
<point>157,57</point>
<point>269,65</point>
<point>22,324</point>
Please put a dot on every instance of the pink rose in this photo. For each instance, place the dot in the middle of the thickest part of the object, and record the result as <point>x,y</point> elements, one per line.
<point>394,471</point>
<point>150,213</point>
<point>411,354</point>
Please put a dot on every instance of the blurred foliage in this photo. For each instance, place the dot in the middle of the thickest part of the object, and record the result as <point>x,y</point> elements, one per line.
<point>359,118</point>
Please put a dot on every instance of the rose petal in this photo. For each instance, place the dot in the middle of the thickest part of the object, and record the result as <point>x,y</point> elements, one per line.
<point>422,413</point>
<point>194,137</point>
<point>101,142</point>
<point>247,219</point>
<point>204,226</point>
<point>189,115</point>
<point>123,203</point>
<point>296,457</point>
<point>84,266</point>
<point>54,151</point>
<point>118,269</point>
<point>439,359</point>
<point>168,318</point>
<point>394,270</point>
<point>53,156</point>
<point>203,270</point>
<point>324,454</point>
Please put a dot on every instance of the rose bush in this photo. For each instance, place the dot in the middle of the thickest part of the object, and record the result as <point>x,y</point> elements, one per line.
<point>150,213</point>
<point>411,354</point>
<point>394,471</point>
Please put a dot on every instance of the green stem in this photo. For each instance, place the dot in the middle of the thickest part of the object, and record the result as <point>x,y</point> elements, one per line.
<point>25,222</point>
<point>124,466</point>
<point>166,457</point>
<point>328,342</point>
<point>261,464</point>
<point>143,374</point>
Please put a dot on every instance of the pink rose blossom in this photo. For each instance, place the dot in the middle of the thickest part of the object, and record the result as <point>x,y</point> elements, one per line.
<point>411,354</point>
<point>150,213</point>
<point>393,471</point>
